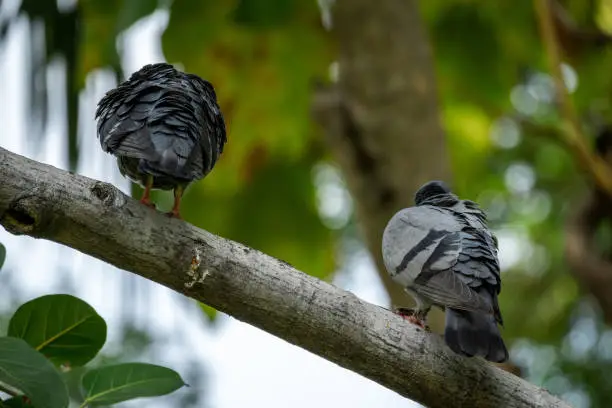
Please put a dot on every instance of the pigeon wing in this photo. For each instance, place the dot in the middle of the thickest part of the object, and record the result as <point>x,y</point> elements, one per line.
<point>442,284</point>
<point>124,113</point>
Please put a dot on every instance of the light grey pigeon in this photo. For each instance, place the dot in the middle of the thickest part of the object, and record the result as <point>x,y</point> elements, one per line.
<point>442,252</point>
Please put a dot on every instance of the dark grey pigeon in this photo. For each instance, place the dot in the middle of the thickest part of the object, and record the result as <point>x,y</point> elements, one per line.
<point>165,128</point>
<point>442,252</point>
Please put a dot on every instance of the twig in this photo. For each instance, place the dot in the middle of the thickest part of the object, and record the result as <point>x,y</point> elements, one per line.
<point>574,137</point>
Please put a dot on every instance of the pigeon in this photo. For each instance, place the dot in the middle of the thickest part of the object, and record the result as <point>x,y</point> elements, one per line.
<point>165,128</point>
<point>442,252</point>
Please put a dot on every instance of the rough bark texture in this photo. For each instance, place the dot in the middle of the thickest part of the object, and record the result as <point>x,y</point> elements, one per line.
<point>381,118</point>
<point>97,219</point>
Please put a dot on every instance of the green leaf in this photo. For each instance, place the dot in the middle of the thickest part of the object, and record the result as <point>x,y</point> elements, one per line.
<point>2,255</point>
<point>122,382</point>
<point>24,368</point>
<point>209,311</point>
<point>64,328</point>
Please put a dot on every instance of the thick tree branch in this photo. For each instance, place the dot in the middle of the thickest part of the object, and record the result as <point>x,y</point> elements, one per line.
<point>381,118</point>
<point>97,219</point>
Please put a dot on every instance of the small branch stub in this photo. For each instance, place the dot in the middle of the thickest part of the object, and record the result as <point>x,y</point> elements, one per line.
<point>108,194</point>
<point>23,216</point>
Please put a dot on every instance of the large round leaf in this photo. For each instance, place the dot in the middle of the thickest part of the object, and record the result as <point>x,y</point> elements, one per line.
<point>122,382</point>
<point>62,327</point>
<point>25,369</point>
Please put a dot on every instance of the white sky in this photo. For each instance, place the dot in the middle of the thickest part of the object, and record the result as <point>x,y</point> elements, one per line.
<point>247,367</point>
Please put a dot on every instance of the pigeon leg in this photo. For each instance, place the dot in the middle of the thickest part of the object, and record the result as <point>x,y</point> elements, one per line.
<point>146,199</point>
<point>178,193</point>
<point>417,317</point>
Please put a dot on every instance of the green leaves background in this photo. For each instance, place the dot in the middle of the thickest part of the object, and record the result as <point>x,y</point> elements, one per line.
<point>65,331</point>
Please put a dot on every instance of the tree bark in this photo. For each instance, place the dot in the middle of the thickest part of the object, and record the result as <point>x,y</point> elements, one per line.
<point>97,219</point>
<point>381,118</point>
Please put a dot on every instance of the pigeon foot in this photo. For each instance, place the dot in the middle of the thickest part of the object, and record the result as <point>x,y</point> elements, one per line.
<point>413,316</point>
<point>174,214</point>
<point>147,202</point>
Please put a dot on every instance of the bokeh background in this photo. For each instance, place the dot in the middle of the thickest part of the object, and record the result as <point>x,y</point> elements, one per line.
<point>281,186</point>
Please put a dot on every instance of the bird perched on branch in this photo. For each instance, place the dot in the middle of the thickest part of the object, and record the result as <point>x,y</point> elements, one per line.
<point>442,252</point>
<point>165,128</point>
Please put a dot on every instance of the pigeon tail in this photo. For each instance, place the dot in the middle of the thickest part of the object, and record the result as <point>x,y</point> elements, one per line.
<point>166,164</point>
<point>169,162</point>
<point>474,334</point>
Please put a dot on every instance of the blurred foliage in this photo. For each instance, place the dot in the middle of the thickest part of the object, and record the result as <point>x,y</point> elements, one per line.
<point>261,58</point>
<point>499,112</point>
<point>63,331</point>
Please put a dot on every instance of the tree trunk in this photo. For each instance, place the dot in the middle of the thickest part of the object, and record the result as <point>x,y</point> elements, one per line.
<point>381,118</point>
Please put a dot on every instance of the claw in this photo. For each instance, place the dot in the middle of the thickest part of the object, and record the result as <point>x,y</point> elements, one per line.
<point>147,202</point>
<point>174,214</point>
<point>413,316</point>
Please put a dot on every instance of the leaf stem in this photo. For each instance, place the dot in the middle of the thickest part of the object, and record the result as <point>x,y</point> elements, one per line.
<point>9,390</point>
<point>574,137</point>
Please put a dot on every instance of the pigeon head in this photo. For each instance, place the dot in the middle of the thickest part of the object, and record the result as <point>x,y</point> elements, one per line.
<point>431,191</point>
<point>202,86</point>
<point>154,71</point>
